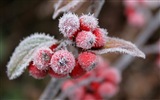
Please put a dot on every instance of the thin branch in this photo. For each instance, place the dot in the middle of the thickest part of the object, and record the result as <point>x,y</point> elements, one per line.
<point>151,49</point>
<point>51,90</point>
<point>142,38</point>
<point>95,7</point>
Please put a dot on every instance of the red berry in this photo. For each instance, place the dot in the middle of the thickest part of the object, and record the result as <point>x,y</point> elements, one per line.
<point>113,75</point>
<point>42,58</point>
<point>35,72</point>
<point>95,86</point>
<point>77,94</point>
<point>89,97</point>
<point>107,89</point>
<point>62,62</point>
<point>67,84</point>
<point>88,22</point>
<point>69,24</point>
<point>100,35</point>
<point>53,47</point>
<point>87,60</point>
<point>55,75</point>
<point>85,40</point>
<point>77,71</point>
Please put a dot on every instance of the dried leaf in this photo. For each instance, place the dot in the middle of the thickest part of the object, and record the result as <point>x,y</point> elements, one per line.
<point>122,46</point>
<point>64,6</point>
<point>24,52</point>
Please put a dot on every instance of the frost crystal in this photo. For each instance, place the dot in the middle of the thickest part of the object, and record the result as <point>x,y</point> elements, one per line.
<point>69,24</point>
<point>88,22</point>
<point>85,39</point>
<point>42,58</point>
<point>119,45</point>
<point>62,62</point>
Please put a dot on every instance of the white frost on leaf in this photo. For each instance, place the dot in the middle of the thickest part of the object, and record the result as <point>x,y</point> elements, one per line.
<point>119,45</point>
<point>24,53</point>
<point>67,6</point>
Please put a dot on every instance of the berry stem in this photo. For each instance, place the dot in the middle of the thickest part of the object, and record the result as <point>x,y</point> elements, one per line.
<point>51,90</point>
<point>141,39</point>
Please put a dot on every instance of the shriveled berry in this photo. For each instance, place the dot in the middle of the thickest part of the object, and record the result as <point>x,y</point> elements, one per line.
<point>85,39</point>
<point>55,75</point>
<point>77,71</point>
<point>62,62</point>
<point>35,72</point>
<point>88,22</point>
<point>100,37</point>
<point>69,24</point>
<point>87,60</point>
<point>107,89</point>
<point>42,58</point>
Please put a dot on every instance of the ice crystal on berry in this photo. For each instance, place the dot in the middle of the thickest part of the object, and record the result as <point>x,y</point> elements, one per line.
<point>88,22</point>
<point>69,24</point>
<point>42,58</point>
<point>85,39</point>
<point>62,62</point>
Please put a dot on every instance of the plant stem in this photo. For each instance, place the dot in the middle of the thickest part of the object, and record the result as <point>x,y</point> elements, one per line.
<point>141,39</point>
<point>51,90</point>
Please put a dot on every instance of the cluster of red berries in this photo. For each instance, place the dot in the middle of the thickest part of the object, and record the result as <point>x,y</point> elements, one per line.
<point>84,30</point>
<point>59,63</point>
<point>95,90</point>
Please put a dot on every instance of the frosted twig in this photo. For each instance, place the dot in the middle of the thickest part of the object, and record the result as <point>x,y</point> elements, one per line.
<point>143,36</point>
<point>51,89</point>
<point>96,7</point>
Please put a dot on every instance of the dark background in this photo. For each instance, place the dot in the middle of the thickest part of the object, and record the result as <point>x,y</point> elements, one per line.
<point>20,18</point>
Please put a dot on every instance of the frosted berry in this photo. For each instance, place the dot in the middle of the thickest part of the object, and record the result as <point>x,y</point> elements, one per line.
<point>35,72</point>
<point>107,89</point>
<point>55,75</point>
<point>62,62</point>
<point>113,75</point>
<point>100,37</point>
<point>87,60</point>
<point>85,39</point>
<point>69,24</point>
<point>88,22</point>
<point>77,71</point>
<point>42,58</point>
